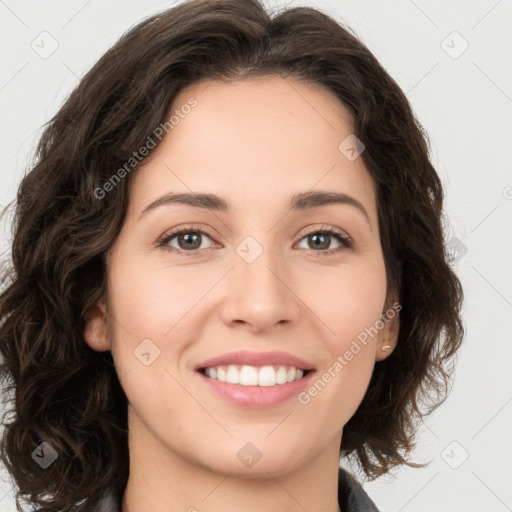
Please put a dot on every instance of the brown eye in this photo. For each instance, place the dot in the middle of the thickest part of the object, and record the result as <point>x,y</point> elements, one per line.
<point>189,240</point>
<point>320,241</point>
<point>184,240</point>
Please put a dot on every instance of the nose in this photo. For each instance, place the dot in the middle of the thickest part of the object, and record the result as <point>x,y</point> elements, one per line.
<point>260,295</point>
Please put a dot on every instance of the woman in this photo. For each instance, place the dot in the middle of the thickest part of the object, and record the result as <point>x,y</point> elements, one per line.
<point>228,272</point>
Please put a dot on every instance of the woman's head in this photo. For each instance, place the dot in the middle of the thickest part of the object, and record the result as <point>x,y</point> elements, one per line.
<point>218,98</point>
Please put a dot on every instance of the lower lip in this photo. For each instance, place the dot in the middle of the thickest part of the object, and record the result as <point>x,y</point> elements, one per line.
<point>257,397</point>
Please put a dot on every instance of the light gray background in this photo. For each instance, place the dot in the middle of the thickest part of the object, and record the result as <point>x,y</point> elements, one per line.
<point>465,103</point>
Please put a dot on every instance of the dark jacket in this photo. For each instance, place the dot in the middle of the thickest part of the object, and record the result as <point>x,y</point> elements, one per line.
<point>351,497</point>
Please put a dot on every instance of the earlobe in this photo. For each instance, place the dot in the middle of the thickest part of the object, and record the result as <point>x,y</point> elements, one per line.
<point>386,343</point>
<point>384,348</point>
<point>96,329</point>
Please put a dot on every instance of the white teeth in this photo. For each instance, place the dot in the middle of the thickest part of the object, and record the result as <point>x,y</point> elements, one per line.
<point>267,376</point>
<point>248,376</point>
<point>281,375</point>
<point>233,375</point>
<point>254,375</point>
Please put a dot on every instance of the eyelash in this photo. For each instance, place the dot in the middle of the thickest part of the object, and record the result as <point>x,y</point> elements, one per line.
<point>346,242</point>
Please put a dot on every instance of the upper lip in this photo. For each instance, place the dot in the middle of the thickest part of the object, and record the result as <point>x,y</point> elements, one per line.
<point>256,359</point>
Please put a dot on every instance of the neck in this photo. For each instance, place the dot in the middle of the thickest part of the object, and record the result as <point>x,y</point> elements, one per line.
<point>161,480</point>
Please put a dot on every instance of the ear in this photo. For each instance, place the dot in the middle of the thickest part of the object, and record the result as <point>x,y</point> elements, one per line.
<point>96,328</point>
<point>388,336</point>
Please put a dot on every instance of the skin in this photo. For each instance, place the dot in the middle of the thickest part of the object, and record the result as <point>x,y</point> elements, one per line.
<point>254,143</point>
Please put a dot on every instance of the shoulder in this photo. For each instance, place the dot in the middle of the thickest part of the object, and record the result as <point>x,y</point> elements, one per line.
<point>351,495</point>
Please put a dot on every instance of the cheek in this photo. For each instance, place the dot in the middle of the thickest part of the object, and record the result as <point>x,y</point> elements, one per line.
<point>350,303</point>
<point>154,298</point>
<point>156,311</point>
<point>152,317</point>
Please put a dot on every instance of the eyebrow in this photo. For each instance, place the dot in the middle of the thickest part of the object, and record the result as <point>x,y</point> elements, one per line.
<point>298,202</point>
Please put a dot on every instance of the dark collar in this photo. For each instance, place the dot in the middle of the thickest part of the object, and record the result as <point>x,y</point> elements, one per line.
<point>351,497</point>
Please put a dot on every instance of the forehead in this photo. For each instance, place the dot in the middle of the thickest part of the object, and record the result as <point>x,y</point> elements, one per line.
<point>289,109</point>
<point>251,137</point>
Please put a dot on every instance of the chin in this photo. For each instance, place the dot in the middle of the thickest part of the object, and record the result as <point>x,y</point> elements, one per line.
<point>248,462</point>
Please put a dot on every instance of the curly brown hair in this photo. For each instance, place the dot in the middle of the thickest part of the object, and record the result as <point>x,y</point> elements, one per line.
<point>66,394</point>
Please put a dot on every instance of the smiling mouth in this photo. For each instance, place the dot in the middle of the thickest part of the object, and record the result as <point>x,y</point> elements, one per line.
<point>263,376</point>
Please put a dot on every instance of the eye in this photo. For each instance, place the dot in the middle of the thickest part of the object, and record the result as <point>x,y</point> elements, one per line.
<point>188,241</point>
<point>321,240</point>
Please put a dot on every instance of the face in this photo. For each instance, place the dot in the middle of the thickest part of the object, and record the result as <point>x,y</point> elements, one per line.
<point>260,271</point>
